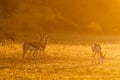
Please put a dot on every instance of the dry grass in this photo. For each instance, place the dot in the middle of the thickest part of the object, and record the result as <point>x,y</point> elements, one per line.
<point>63,62</point>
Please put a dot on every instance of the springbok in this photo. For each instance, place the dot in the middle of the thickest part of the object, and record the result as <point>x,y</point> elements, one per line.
<point>35,47</point>
<point>96,49</point>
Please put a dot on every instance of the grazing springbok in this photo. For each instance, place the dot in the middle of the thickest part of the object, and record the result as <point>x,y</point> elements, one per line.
<point>96,49</point>
<point>35,47</point>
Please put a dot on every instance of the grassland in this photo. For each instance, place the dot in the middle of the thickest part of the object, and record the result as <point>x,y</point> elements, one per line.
<point>68,61</point>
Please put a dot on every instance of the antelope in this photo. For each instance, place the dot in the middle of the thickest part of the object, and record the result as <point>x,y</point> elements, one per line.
<point>96,49</point>
<point>35,47</point>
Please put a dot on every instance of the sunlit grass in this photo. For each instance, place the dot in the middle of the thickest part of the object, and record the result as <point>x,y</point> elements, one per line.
<point>63,62</point>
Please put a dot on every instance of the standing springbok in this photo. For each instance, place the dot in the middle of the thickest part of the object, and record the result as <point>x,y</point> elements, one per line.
<point>96,49</point>
<point>35,47</point>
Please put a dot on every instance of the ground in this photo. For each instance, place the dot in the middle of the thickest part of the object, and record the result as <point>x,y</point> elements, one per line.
<point>62,62</point>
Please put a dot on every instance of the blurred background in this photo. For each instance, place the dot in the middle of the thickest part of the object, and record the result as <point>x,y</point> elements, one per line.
<point>93,17</point>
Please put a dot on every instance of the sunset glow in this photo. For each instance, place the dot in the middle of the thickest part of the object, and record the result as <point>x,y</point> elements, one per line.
<point>59,39</point>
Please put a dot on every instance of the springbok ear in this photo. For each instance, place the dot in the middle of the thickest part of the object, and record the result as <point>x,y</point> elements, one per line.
<point>46,38</point>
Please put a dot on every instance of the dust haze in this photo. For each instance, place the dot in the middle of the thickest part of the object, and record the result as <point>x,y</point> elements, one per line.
<point>51,39</point>
<point>75,16</point>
